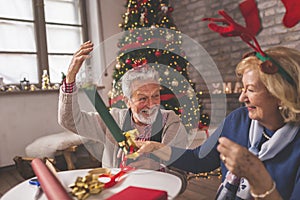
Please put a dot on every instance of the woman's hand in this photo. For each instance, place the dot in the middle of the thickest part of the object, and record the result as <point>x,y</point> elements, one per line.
<point>158,149</point>
<point>145,163</point>
<point>238,159</point>
<point>243,163</point>
<point>78,58</point>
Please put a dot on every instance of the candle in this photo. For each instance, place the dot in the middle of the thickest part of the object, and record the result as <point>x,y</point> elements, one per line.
<point>227,87</point>
<point>226,90</point>
<point>101,108</point>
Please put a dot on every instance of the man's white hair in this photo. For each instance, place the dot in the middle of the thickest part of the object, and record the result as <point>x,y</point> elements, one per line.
<point>143,73</point>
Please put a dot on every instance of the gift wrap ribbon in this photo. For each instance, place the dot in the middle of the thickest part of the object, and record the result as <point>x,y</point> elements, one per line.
<point>83,186</point>
<point>92,184</point>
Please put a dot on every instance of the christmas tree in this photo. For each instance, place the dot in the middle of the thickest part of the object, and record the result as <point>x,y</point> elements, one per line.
<point>150,36</point>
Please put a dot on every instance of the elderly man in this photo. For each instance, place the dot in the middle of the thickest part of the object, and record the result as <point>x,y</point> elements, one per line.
<point>141,91</point>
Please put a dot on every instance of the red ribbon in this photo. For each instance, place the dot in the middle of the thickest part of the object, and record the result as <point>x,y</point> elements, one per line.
<point>116,178</point>
<point>115,100</point>
<point>140,44</point>
<point>203,127</point>
<point>166,97</point>
<point>139,62</point>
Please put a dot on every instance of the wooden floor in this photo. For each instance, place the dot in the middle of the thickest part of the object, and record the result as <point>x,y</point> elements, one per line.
<point>198,188</point>
<point>9,177</point>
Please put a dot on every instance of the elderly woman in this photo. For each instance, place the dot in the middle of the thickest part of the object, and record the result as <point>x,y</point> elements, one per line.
<point>258,146</point>
<point>141,89</point>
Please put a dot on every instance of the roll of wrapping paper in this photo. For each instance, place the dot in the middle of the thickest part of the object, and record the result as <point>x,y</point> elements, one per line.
<point>50,184</point>
<point>124,140</point>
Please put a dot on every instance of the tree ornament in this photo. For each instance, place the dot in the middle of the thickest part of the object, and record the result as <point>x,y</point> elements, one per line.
<point>157,53</point>
<point>178,68</point>
<point>174,83</point>
<point>180,111</point>
<point>190,92</point>
<point>139,38</point>
<point>169,37</point>
<point>128,61</point>
<point>110,94</point>
<point>139,62</point>
<point>142,19</point>
<point>164,8</point>
<point>126,18</point>
<point>167,72</point>
<point>171,9</point>
<point>118,65</point>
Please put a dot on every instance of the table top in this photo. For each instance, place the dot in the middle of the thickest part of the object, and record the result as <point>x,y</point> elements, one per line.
<point>139,178</point>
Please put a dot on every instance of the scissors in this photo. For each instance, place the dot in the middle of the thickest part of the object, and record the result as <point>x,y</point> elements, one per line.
<point>39,192</point>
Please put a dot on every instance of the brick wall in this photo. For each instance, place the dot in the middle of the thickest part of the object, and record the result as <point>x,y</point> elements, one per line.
<point>226,52</point>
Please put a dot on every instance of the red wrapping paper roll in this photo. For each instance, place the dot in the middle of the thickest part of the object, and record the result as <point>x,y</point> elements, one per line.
<point>51,186</point>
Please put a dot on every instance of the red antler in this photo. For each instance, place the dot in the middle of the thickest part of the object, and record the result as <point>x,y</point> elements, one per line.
<point>250,13</point>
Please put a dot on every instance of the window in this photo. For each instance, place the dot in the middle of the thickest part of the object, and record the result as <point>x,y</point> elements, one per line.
<point>38,35</point>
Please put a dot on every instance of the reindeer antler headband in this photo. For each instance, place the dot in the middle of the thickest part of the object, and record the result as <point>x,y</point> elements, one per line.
<point>247,34</point>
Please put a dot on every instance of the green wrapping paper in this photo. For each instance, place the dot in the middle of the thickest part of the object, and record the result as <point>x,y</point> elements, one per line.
<point>101,108</point>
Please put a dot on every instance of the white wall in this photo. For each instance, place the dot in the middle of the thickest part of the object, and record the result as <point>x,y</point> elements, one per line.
<point>112,11</point>
<point>25,117</point>
<point>105,34</point>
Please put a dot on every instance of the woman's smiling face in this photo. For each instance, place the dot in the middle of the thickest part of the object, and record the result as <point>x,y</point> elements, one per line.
<point>262,106</point>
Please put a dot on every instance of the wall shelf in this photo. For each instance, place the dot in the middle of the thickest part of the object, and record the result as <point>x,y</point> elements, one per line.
<point>28,92</point>
<point>40,91</point>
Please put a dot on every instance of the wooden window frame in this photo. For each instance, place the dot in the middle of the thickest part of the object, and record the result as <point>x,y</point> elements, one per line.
<point>39,24</point>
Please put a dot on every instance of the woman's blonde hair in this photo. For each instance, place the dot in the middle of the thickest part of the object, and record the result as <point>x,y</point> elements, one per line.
<point>286,91</point>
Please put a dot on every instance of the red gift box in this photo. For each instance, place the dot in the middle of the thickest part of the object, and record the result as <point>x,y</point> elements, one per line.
<point>138,193</point>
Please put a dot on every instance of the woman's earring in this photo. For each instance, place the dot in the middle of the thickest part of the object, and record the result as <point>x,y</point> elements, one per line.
<point>280,107</point>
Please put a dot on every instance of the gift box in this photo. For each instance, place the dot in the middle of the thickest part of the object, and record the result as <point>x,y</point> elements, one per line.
<point>137,193</point>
